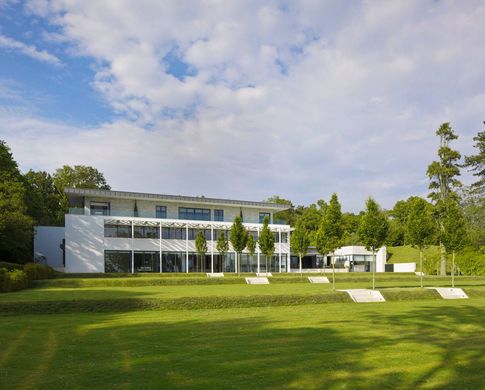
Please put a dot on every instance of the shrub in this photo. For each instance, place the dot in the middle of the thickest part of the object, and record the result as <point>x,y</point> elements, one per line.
<point>12,281</point>
<point>471,263</point>
<point>38,271</point>
<point>10,266</point>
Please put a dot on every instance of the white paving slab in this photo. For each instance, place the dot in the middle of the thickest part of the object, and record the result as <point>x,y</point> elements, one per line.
<point>264,274</point>
<point>257,281</point>
<point>318,279</point>
<point>365,295</point>
<point>450,293</point>
<point>215,274</point>
<point>419,273</point>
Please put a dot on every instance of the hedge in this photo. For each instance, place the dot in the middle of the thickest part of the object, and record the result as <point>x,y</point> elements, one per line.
<point>10,266</point>
<point>13,281</point>
<point>36,271</point>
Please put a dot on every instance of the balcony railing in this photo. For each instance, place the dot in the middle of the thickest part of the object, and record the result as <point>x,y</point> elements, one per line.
<point>141,214</point>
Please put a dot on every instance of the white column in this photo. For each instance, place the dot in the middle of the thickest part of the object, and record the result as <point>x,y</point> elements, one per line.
<point>259,252</point>
<point>132,251</point>
<point>279,245</point>
<point>187,248</point>
<point>212,248</point>
<point>288,258</point>
<point>160,246</point>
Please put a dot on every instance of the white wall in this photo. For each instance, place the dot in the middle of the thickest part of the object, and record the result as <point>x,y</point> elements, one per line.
<point>405,267</point>
<point>47,241</point>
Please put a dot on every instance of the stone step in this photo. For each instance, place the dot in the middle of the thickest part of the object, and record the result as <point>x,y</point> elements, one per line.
<point>215,274</point>
<point>365,295</point>
<point>450,292</point>
<point>257,280</point>
<point>318,279</point>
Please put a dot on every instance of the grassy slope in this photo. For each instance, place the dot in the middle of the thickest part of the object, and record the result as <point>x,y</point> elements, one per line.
<point>428,344</point>
<point>408,254</point>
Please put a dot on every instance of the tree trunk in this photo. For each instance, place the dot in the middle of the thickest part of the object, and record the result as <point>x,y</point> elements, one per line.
<point>443,260</point>
<point>374,271</point>
<point>301,274</point>
<point>332,260</point>
<point>453,271</point>
<point>421,266</point>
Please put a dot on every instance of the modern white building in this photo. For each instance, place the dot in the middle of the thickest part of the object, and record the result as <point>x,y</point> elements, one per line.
<point>117,231</point>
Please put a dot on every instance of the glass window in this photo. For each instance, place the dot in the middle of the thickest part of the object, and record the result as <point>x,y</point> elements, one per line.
<point>219,215</point>
<point>194,214</point>
<point>161,212</point>
<point>117,261</point>
<point>117,230</point>
<point>147,261</point>
<point>99,208</point>
<point>145,232</point>
<point>263,215</point>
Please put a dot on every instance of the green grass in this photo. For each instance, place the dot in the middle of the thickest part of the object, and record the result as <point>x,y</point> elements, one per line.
<point>408,254</point>
<point>425,344</point>
<point>103,334</point>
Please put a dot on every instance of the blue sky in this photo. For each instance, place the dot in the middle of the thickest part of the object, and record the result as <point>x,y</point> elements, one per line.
<point>242,99</point>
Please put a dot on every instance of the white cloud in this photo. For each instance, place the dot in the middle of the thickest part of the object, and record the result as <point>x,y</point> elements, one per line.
<point>301,99</point>
<point>28,50</point>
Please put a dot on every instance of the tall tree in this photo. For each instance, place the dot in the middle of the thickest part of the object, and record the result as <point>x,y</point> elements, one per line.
<point>476,164</point>
<point>419,227</point>
<point>16,226</point>
<point>443,180</point>
<point>251,247</point>
<point>222,246</point>
<point>201,247</point>
<point>239,240</point>
<point>373,231</point>
<point>330,233</point>
<point>288,216</point>
<point>42,198</point>
<point>453,236</point>
<point>300,241</point>
<point>266,242</point>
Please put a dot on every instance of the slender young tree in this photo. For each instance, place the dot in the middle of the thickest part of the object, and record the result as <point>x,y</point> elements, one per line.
<point>454,233</point>
<point>239,240</point>
<point>222,246</point>
<point>443,181</point>
<point>201,247</point>
<point>300,241</point>
<point>419,227</point>
<point>330,233</point>
<point>476,164</point>
<point>251,247</point>
<point>373,231</point>
<point>266,241</point>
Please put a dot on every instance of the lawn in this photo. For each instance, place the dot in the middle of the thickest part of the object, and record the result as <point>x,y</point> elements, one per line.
<point>408,254</point>
<point>425,344</point>
<point>104,334</point>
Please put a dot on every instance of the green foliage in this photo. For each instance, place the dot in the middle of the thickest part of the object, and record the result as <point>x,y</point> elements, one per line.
<point>266,241</point>
<point>373,226</point>
<point>239,235</point>
<point>310,220</point>
<point>300,240</point>
<point>12,280</point>
<point>43,199</point>
<point>10,266</point>
<point>79,176</point>
<point>471,262</point>
<point>350,223</point>
<point>222,245</point>
<point>201,248</point>
<point>330,232</point>
<point>476,164</point>
<point>397,233</point>
<point>453,234</point>
<point>251,245</point>
<point>419,225</point>
<point>289,216</point>
<point>38,271</point>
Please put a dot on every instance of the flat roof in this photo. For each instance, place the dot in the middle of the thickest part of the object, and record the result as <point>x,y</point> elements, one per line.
<point>73,193</point>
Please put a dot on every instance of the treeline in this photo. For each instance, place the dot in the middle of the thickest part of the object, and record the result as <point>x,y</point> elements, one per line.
<point>453,218</point>
<point>35,198</point>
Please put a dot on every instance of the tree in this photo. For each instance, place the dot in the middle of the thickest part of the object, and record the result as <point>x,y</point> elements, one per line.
<point>419,227</point>
<point>251,247</point>
<point>222,246</point>
<point>16,226</point>
<point>239,240</point>
<point>310,220</point>
<point>201,247</point>
<point>300,241</point>
<point>373,230</point>
<point>453,235</point>
<point>330,233</point>
<point>266,242</point>
<point>42,199</point>
<point>288,216</point>
<point>443,180</point>
<point>476,164</point>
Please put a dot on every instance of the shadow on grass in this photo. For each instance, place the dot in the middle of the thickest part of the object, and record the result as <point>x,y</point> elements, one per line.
<point>437,347</point>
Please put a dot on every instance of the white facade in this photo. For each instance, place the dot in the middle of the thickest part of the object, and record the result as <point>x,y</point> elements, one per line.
<point>89,241</point>
<point>357,250</point>
<point>47,245</point>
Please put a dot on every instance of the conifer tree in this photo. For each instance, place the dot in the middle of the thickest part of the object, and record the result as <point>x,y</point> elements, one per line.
<point>222,246</point>
<point>266,241</point>
<point>201,247</point>
<point>300,241</point>
<point>251,247</point>
<point>239,240</point>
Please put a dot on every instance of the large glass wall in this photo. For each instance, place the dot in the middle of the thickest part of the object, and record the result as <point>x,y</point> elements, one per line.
<point>147,261</point>
<point>117,261</point>
<point>146,231</point>
<point>173,262</point>
<point>194,214</point>
<point>117,230</point>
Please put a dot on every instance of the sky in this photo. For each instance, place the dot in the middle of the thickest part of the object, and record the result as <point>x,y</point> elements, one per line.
<point>243,99</point>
